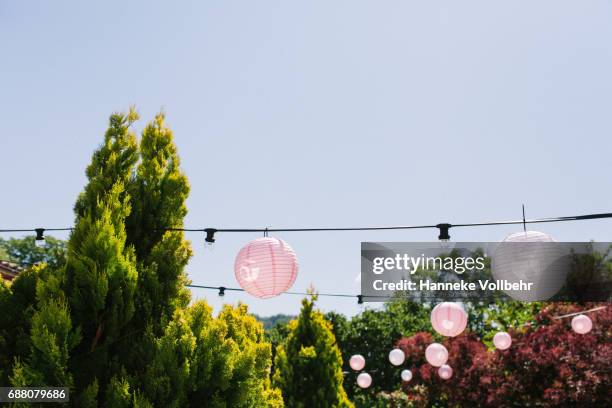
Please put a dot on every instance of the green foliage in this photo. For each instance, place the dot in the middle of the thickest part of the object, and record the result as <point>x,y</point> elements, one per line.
<point>309,364</point>
<point>52,340</point>
<point>273,321</point>
<point>373,333</point>
<point>17,303</point>
<point>100,284</point>
<point>487,319</point>
<point>107,314</point>
<point>111,164</point>
<point>223,361</point>
<point>3,252</point>
<point>590,276</point>
<point>158,194</point>
<point>23,251</point>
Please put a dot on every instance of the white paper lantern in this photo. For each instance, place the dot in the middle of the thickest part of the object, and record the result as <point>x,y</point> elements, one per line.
<point>531,257</point>
<point>397,357</point>
<point>582,324</point>
<point>406,375</point>
<point>364,380</point>
<point>445,372</point>
<point>266,267</point>
<point>436,354</point>
<point>357,362</point>
<point>502,340</point>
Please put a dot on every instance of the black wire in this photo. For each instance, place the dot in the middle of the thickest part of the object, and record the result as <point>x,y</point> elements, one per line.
<point>360,297</point>
<point>34,229</point>
<point>392,227</point>
<point>284,293</point>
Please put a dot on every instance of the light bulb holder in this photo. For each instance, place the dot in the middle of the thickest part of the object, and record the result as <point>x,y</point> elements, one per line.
<point>360,299</point>
<point>40,237</point>
<point>210,235</point>
<point>222,291</point>
<point>40,234</point>
<point>444,235</point>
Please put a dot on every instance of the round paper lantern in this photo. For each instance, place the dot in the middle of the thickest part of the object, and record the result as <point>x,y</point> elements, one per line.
<point>436,354</point>
<point>266,267</point>
<point>406,375</point>
<point>502,340</point>
<point>396,357</point>
<point>531,257</point>
<point>357,362</point>
<point>449,319</point>
<point>582,324</point>
<point>445,372</point>
<point>364,380</point>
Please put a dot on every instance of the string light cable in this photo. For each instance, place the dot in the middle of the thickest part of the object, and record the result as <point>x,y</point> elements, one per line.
<point>443,227</point>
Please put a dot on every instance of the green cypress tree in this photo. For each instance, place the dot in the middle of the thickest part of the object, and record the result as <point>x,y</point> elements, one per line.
<point>214,362</point>
<point>112,322</point>
<point>308,365</point>
<point>158,193</point>
<point>111,164</point>
<point>82,308</point>
<point>100,274</point>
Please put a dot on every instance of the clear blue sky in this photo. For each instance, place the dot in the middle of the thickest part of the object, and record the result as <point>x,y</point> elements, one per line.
<point>319,113</point>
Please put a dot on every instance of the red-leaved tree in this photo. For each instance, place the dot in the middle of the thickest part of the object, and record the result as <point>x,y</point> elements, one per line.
<point>547,365</point>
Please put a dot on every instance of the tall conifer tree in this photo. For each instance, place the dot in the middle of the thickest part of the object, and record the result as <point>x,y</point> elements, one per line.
<point>112,322</point>
<point>308,366</point>
<point>158,194</point>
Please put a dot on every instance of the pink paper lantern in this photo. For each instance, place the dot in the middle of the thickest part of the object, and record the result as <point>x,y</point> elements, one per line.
<point>448,319</point>
<point>266,267</point>
<point>357,362</point>
<point>582,324</point>
<point>436,354</point>
<point>364,380</point>
<point>502,341</point>
<point>445,372</point>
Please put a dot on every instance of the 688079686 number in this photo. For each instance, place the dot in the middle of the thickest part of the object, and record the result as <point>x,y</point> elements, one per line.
<point>34,394</point>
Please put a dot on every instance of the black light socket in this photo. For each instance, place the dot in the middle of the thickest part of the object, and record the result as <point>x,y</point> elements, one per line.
<point>210,235</point>
<point>40,234</point>
<point>444,235</point>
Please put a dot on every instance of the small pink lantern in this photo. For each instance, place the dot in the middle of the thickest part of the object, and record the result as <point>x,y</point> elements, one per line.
<point>364,380</point>
<point>357,362</point>
<point>502,340</point>
<point>582,324</point>
<point>448,319</point>
<point>266,267</point>
<point>445,372</point>
<point>436,354</point>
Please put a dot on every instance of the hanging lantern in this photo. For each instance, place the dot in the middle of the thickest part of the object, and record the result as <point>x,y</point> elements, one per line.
<point>436,354</point>
<point>582,324</point>
<point>364,380</point>
<point>502,341</point>
<point>531,257</point>
<point>406,375</point>
<point>357,362</point>
<point>448,319</point>
<point>266,267</point>
<point>445,372</point>
<point>396,357</point>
